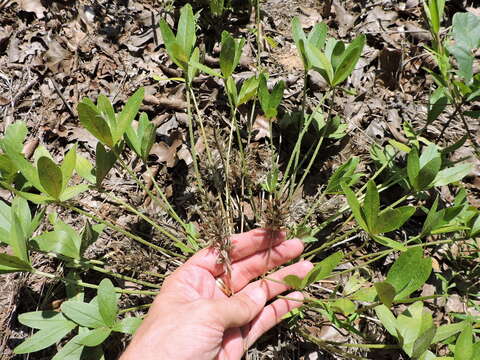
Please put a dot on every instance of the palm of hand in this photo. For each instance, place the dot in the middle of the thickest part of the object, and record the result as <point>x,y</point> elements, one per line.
<point>193,319</point>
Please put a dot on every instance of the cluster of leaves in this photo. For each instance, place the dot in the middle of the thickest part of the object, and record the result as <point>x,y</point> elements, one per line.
<point>93,322</point>
<point>457,85</point>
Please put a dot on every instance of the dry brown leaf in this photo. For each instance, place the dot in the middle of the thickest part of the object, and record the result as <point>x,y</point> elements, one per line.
<point>262,125</point>
<point>344,19</point>
<point>309,17</point>
<point>290,60</point>
<point>55,56</point>
<point>390,63</point>
<point>34,6</point>
<point>168,153</point>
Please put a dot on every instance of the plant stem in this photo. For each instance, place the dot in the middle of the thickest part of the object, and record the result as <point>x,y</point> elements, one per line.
<point>169,209</point>
<point>191,135</point>
<point>130,208</point>
<point>149,193</point>
<point>122,231</point>
<point>86,264</point>
<point>202,129</point>
<point>135,308</point>
<point>330,243</point>
<point>92,286</point>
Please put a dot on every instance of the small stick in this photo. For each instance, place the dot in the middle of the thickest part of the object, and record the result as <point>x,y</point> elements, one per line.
<point>57,89</point>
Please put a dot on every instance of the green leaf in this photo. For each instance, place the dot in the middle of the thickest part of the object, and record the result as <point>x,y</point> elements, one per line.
<point>186,36</point>
<point>412,325</point>
<point>227,55</point>
<point>59,242</point>
<point>275,99</point>
<point>404,280</point>
<point>18,241</point>
<point>128,325</point>
<point>94,122</point>
<point>466,30</point>
<point>21,209</point>
<point>133,141</point>
<point>72,191</point>
<point>385,241</point>
<point>192,71</point>
<point>371,206</point>
<point>464,344</point>
<point>43,319</point>
<point>293,281</point>
<point>232,91</point>
<point>105,108</point>
<point>428,173</point>
<point>35,198</point>
<point>68,165</point>
<point>248,90</point>
<point>437,103</point>
<point>263,93</point>
<point>44,338</point>
<point>72,350</point>
<point>204,68</point>
<point>319,61</point>
<point>300,39</point>
<point>146,134</point>
<point>83,314</point>
<point>89,235</point>
<point>349,60</point>
<point>9,264</point>
<point>423,342</point>
<point>475,229</point>
<point>445,331</point>
<point>323,269</point>
<point>14,137</point>
<point>171,45</point>
<point>344,306</point>
<point>434,11</point>
<point>385,292</point>
<point>50,177</point>
<point>392,219</point>
<point>465,61</point>
<point>334,50</point>
<point>107,302</point>
<point>95,337</point>
<point>452,174</point>
<point>387,319</point>
<point>8,170</point>
<point>354,206</point>
<point>432,220</point>
<point>104,162</point>
<point>127,115</point>
<point>343,172</point>
<point>84,169</point>
<point>318,35</point>
<point>413,166</point>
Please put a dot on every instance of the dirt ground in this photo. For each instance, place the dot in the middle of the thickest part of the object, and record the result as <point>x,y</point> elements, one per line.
<point>54,53</point>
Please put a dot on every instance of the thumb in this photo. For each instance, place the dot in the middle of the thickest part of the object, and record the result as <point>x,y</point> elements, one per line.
<point>241,308</point>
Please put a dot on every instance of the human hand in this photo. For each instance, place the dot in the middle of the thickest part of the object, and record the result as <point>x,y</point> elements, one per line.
<point>191,318</point>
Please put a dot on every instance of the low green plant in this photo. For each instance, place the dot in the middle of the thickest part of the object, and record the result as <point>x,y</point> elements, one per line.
<point>457,85</point>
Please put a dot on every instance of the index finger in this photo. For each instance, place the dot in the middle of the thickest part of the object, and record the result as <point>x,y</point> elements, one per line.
<point>243,245</point>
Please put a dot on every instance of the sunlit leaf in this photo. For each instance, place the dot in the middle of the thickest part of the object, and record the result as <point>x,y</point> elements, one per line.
<point>107,302</point>
<point>404,280</point>
<point>44,338</point>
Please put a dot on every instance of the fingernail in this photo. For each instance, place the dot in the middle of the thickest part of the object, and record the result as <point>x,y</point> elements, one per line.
<point>258,295</point>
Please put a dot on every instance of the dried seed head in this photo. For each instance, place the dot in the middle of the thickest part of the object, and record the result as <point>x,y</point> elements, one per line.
<point>275,214</point>
<point>215,229</point>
